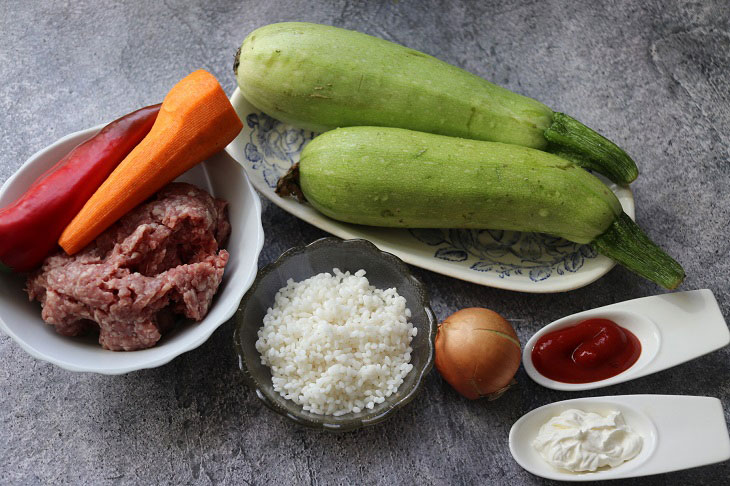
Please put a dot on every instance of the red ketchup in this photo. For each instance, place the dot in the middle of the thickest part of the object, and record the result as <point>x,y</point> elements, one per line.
<point>593,350</point>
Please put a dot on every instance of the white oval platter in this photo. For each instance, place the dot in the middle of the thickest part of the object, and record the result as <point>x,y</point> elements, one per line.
<point>525,262</point>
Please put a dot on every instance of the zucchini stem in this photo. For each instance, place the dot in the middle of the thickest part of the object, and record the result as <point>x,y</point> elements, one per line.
<point>628,245</point>
<point>288,184</point>
<point>570,139</point>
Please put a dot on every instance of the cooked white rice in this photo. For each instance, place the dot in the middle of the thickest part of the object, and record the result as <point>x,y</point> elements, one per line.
<point>336,344</point>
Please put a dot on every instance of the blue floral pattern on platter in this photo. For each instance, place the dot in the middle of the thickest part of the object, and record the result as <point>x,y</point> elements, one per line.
<point>507,253</point>
<point>273,147</point>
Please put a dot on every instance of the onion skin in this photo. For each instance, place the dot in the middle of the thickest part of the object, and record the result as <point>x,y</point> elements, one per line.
<point>477,352</point>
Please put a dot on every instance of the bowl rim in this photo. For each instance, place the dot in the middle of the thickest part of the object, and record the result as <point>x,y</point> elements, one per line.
<point>325,423</point>
<point>174,352</point>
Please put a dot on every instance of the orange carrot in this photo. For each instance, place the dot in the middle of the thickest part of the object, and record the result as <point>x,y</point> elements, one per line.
<point>196,120</point>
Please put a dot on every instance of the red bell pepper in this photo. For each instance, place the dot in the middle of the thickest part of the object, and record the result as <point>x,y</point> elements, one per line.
<point>30,227</point>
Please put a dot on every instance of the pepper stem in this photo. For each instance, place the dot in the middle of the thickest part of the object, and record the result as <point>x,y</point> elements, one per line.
<point>628,245</point>
<point>570,139</point>
<point>4,268</point>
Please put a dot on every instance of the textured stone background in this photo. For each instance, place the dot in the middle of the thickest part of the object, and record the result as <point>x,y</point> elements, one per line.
<point>654,76</point>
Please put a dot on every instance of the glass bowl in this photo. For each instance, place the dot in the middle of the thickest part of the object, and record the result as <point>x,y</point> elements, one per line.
<point>383,271</point>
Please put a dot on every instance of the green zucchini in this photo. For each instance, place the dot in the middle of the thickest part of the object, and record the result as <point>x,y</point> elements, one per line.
<point>320,77</point>
<point>401,178</point>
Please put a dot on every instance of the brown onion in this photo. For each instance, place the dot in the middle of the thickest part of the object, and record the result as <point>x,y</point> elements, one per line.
<point>477,352</point>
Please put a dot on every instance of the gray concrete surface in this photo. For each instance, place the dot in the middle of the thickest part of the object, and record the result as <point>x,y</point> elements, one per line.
<point>653,76</point>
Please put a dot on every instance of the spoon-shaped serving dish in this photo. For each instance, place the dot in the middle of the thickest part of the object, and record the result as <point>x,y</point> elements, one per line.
<point>679,432</point>
<point>673,328</point>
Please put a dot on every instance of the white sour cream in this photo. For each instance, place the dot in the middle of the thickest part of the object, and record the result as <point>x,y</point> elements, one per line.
<point>580,441</point>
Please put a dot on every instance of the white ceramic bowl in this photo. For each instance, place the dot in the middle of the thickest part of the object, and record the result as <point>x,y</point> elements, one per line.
<point>21,319</point>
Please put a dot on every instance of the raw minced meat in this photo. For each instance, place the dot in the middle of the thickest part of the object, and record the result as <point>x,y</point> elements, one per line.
<point>160,259</point>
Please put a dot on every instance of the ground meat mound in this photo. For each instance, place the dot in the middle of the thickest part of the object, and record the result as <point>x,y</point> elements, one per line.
<point>160,259</point>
